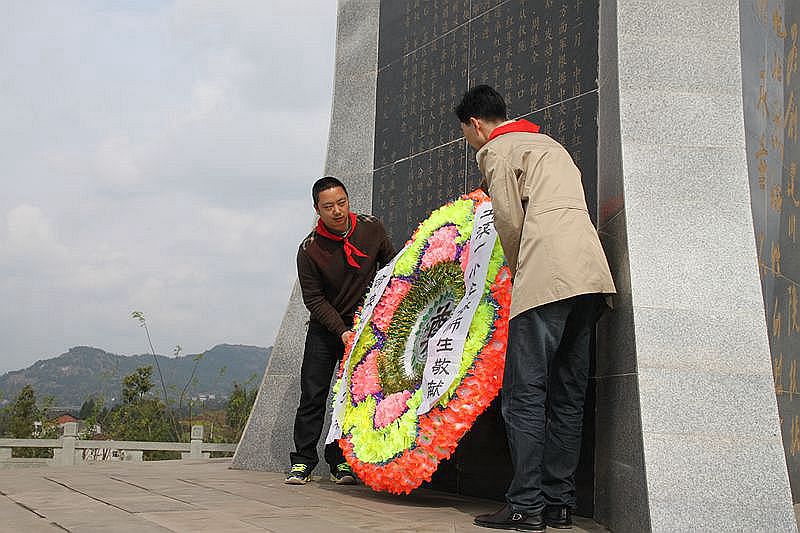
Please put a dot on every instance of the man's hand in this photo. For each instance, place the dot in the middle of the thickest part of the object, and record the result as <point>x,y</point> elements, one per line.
<point>346,336</point>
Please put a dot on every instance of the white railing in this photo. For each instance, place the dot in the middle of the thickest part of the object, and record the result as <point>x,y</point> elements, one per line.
<point>70,450</point>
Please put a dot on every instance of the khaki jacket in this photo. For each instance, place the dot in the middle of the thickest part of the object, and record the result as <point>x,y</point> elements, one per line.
<point>541,218</point>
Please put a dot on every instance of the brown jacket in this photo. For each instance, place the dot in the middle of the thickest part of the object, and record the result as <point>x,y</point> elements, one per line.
<point>332,289</point>
<point>541,218</point>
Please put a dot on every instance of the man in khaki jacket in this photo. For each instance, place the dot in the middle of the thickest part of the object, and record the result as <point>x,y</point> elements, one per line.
<point>560,277</point>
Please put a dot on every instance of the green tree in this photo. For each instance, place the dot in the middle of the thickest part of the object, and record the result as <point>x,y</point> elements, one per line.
<point>94,415</point>
<point>23,416</point>
<point>137,384</point>
<point>140,417</point>
<point>87,409</point>
<point>4,422</point>
<point>238,409</point>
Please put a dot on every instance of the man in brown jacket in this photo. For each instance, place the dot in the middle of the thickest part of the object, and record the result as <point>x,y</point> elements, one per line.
<point>560,274</point>
<point>335,267</point>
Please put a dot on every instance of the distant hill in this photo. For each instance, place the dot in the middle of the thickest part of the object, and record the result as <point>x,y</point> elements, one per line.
<point>84,371</point>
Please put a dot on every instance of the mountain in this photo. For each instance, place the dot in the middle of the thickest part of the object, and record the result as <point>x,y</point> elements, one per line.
<point>84,371</point>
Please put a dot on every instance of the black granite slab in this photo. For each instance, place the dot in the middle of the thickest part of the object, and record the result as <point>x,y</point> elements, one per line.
<point>389,196</point>
<point>406,26</point>
<point>542,55</point>
<point>771,90</point>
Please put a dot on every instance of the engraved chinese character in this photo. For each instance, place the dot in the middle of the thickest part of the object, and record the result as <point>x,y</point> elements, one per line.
<point>794,325</point>
<point>777,67</point>
<point>776,142</point>
<point>762,94</point>
<point>790,187</point>
<point>761,9</point>
<point>775,257</point>
<point>762,163</point>
<point>791,59</point>
<point>791,118</point>
<point>776,198</point>
<point>795,447</point>
<point>778,25</point>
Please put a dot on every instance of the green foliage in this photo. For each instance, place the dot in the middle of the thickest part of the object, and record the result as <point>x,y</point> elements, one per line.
<point>24,413</point>
<point>94,414</point>
<point>4,423</point>
<point>141,417</point>
<point>141,420</point>
<point>87,409</point>
<point>23,416</point>
<point>137,384</point>
<point>238,409</point>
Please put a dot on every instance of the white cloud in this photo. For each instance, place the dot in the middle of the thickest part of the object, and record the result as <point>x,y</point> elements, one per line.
<point>117,163</point>
<point>158,157</point>
<point>28,227</point>
<point>30,245</point>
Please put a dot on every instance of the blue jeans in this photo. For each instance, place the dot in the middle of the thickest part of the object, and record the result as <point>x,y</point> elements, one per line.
<point>544,389</point>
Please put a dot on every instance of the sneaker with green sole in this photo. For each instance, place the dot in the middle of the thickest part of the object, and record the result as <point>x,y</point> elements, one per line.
<point>343,475</point>
<point>299,474</point>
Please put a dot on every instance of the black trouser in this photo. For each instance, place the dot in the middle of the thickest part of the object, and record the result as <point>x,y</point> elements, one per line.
<point>322,353</point>
<point>544,388</point>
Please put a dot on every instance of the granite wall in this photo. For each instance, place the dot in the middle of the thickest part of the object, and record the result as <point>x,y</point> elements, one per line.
<point>705,453</point>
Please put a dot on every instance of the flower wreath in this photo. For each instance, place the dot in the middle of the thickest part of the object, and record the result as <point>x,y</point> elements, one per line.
<point>388,445</point>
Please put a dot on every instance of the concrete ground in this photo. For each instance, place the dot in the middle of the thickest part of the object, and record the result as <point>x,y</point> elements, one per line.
<point>208,496</point>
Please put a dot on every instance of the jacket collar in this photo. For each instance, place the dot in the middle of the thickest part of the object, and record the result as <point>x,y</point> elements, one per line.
<point>350,249</point>
<point>521,125</point>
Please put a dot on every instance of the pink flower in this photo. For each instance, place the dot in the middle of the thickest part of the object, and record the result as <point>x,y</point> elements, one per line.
<point>390,408</point>
<point>441,246</point>
<point>392,296</point>
<point>365,379</point>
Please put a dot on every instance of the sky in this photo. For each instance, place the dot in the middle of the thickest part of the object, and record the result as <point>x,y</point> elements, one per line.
<point>156,156</point>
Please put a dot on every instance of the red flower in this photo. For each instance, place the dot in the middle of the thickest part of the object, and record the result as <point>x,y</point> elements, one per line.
<point>440,429</point>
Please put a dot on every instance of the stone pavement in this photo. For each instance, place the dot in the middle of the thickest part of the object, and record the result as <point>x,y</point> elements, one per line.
<point>208,496</point>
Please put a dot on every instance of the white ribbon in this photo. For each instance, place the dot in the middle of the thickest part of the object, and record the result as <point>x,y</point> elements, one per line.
<point>446,346</point>
<point>379,284</point>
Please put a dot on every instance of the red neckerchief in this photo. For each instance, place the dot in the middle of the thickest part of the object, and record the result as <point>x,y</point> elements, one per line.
<point>518,125</point>
<point>349,248</point>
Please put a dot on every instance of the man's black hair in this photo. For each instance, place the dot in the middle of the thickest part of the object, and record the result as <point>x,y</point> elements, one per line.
<point>481,102</point>
<point>323,184</point>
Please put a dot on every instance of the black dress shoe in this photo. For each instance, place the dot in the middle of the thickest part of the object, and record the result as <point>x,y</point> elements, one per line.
<point>506,518</point>
<point>558,516</point>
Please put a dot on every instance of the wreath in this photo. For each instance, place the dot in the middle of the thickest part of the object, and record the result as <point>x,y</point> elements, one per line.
<point>403,408</point>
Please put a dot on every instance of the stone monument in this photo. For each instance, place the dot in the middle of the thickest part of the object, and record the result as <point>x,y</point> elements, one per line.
<point>682,428</point>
